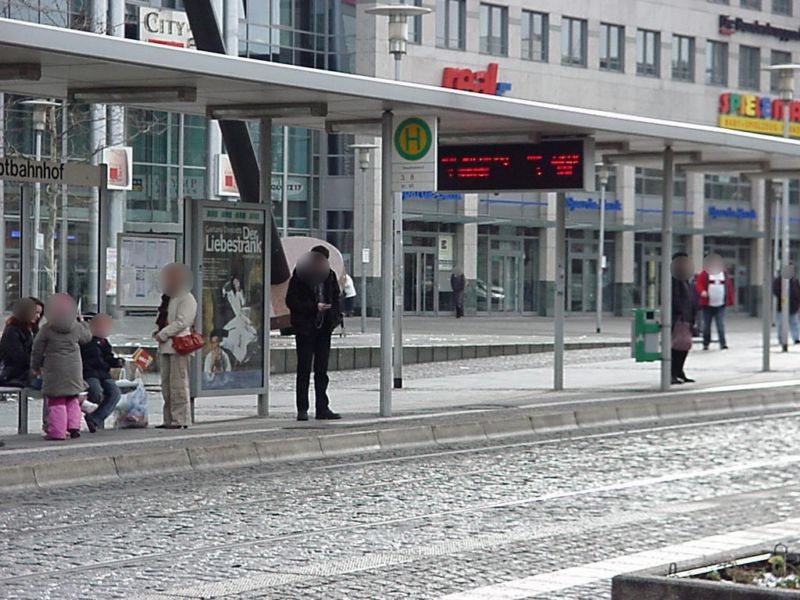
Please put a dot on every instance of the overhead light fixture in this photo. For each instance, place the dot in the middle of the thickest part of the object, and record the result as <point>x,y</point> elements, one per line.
<point>132,95</point>
<point>238,112</point>
<point>723,166</point>
<point>637,158</point>
<point>398,23</point>
<point>354,126</point>
<point>20,71</point>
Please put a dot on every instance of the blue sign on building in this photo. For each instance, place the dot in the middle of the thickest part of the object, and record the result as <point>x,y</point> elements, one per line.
<point>592,204</point>
<point>731,213</point>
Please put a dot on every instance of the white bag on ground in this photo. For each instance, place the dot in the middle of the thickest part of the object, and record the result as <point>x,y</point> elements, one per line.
<point>131,412</point>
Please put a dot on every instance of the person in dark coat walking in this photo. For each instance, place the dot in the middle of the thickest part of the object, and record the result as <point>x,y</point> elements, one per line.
<point>313,299</point>
<point>684,311</point>
<point>794,304</point>
<point>458,283</point>
<point>16,344</point>
<point>98,360</point>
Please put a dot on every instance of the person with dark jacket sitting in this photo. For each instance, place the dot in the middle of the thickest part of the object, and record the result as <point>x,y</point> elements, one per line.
<point>16,345</point>
<point>98,360</point>
<point>313,299</point>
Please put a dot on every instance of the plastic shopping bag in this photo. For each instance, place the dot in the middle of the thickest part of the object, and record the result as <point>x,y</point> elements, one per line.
<point>131,411</point>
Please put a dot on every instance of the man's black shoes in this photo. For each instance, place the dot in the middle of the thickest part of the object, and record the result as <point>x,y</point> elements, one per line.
<point>303,416</point>
<point>329,416</point>
<point>90,424</point>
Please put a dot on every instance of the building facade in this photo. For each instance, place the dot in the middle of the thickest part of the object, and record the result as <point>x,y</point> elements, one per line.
<point>687,60</point>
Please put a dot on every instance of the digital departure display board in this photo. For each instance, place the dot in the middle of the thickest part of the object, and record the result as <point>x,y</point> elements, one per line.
<point>548,166</point>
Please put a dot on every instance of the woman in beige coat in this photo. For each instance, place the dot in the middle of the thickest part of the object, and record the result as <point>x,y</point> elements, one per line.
<point>176,316</point>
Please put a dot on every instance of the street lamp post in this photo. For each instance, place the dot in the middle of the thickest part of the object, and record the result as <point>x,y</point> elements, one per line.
<point>602,175</point>
<point>364,151</point>
<point>398,46</point>
<point>40,109</point>
<point>786,89</point>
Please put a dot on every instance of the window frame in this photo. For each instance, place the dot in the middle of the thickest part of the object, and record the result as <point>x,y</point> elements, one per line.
<point>711,78</point>
<point>606,62</point>
<point>567,41</point>
<point>754,84</point>
<point>676,59</point>
<point>444,39</point>
<point>529,18</point>
<point>643,68</point>
<point>487,25</point>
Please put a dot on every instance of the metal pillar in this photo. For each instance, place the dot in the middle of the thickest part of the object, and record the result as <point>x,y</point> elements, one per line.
<point>37,218</point>
<point>2,207</point>
<point>560,295</point>
<point>766,277</point>
<point>63,233</point>
<point>387,251</point>
<point>265,198</point>
<point>600,256</point>
<point>785,249</point>
<point>364,246</point>
<point>398,263</point>
<point>285,185</point>
<point>666,273</point>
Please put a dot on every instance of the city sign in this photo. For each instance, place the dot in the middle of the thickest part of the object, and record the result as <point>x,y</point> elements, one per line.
<point>166,27</point>
<point>757,114</point>
<point>558,165</point>
<point>480,82</point>
<point>729,25</point>
<point>414,151</point>
<point>24,170</point>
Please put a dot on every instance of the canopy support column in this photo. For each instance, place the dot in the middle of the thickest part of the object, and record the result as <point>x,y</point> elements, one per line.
<point>387,259</point>
<point>561,284</point>
<point>265,198</point>
<point>666,273</point>
<point>767,273</point>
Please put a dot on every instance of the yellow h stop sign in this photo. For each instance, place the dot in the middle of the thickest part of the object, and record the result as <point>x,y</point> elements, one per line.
<point>413,139</point>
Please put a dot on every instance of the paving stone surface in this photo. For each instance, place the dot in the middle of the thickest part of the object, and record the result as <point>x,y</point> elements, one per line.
<point>400,525</point>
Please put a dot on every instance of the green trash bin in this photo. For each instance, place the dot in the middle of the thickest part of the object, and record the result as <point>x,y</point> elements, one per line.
<point>645,335</point>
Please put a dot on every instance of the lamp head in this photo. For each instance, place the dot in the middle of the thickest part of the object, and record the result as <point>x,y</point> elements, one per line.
<point>398,24</point>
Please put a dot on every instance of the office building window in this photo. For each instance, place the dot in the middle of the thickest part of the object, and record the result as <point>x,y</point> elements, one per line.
<point>414,23</point>
<point>749,68</point>
<point>777,57</point>
<point>648,52</point>
<point>612,47</point>
<point>719,1</point>
<point>782,7</point>
<point>573,42</point>
<point>682,58</point>
<point>451,24</point>
<point>753,4</point>
<point>717,63</point>
<point>494,29</point>
<point>535,29</point>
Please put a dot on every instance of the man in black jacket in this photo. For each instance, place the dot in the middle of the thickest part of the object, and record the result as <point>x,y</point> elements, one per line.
<point>684,311</point>
<point>98,360</point>
<point>313,299</point>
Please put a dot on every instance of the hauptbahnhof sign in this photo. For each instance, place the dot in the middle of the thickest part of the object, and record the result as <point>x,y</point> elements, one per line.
<point>23,170</point>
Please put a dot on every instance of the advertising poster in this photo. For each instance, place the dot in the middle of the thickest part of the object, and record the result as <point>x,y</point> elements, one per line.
<point>232,255</point>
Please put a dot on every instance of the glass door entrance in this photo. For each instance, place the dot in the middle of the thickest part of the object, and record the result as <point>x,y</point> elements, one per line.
<point>582,288</point>
<point>505,276</point>
<point>419,282</point>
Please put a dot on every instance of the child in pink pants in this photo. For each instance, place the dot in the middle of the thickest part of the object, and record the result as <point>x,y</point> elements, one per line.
<point>57,356</point>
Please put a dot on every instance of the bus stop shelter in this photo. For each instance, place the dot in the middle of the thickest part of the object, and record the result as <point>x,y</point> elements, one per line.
<point>48,62</point>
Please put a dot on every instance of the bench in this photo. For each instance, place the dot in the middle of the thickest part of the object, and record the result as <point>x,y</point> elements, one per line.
<point>25,394</point>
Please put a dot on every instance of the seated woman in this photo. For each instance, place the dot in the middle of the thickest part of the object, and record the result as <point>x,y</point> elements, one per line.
<point>16,344</point>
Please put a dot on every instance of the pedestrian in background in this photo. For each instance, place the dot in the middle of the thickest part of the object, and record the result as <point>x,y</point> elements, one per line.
<point>176,315</point>
<point>57,356</point>
<point>794,303</point>
<point>714,288</point>
<point>458,283</point>
<point>313,299</point>
<point>684,310</point>
<point>349,293</point>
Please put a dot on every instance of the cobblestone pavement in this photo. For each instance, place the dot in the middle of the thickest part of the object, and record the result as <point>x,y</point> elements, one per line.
<point>404,525</point>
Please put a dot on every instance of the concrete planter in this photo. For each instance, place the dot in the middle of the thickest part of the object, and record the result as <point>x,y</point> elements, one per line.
<point>663,587</point>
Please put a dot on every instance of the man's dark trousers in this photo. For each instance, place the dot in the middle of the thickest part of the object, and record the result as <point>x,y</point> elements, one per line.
<point>313,348</point>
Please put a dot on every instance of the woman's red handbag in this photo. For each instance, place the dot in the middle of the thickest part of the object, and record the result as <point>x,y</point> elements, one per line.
<point>186,344</point>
